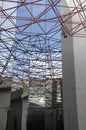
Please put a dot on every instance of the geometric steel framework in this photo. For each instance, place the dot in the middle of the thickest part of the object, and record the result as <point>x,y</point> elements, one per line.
<point>30,38</point>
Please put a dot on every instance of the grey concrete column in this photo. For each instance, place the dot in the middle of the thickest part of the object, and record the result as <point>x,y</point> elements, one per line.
<point>69,86</point>
<point>24,112</point>
<point>74,77</point>
<point>4,105</point>
<point>80,76</point>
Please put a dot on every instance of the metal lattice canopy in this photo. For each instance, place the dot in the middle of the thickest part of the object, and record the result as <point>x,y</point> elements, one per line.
<point>30,36</point>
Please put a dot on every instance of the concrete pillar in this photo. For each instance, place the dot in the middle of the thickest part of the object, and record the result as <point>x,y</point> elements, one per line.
<point>80,76</point>
<point>69,86</point>
<point>24,112</point>
<point>4,105</point>
<point>74,78</point>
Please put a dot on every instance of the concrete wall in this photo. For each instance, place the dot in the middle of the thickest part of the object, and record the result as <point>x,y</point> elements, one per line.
<point>69,86</point>
<point>4,106</point>
<point>24,112</point>
<point>80,74</point>
<point>74,74</point>
<point>69,83</point>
